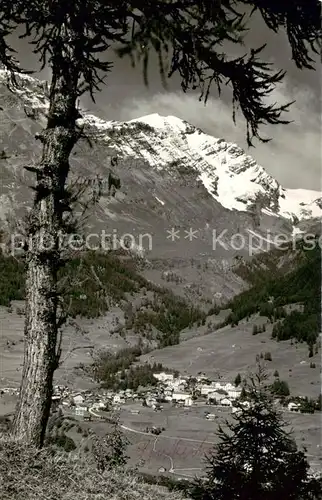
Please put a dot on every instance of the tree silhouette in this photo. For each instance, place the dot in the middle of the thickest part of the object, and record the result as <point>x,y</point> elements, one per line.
<point>72,38</point>
<point>238,380</point>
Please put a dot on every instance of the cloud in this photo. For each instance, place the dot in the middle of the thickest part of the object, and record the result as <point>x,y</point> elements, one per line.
<point>293,156</point>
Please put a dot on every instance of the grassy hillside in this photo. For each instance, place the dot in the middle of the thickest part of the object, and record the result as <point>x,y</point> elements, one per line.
<point>27,474</point>
<point>298,281</point>
<point>93,281</point>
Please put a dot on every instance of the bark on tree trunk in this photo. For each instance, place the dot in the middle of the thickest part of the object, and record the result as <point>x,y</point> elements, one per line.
<point>41,330</point>
<point>40,353</point>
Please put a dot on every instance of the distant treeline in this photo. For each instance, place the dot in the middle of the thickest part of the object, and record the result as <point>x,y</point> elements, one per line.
<point>272,291</point>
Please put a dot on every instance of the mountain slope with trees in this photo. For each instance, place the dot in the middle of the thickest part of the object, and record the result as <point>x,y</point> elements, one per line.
<point>274,287</point>
<point>91,282</point>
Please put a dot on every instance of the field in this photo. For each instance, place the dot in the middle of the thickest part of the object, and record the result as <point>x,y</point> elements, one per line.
<point>232,350</point>
<point>188,436</point>
<point>77,346</point>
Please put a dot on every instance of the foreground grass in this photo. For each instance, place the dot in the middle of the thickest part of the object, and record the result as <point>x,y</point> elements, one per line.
<point>29,474</point>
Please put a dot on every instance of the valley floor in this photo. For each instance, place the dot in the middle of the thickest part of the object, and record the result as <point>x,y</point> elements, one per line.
<point>179,449</point>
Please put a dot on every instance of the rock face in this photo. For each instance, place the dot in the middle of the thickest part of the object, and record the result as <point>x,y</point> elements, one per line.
<point>172,175</point>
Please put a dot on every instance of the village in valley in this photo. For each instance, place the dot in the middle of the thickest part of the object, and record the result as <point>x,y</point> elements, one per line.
<point>177,391</point>
<point>171,389</point>
<point>170,425</point>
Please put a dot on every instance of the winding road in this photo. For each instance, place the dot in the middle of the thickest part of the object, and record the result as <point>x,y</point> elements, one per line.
<point>171,470</point>
<point>175,438</point>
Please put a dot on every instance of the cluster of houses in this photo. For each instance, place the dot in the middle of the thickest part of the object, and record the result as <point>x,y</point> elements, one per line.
<point>176,390</point>
<point>185,390</point>
<point>87,403</point>
<point>78,403</point>
<point>180,391</point>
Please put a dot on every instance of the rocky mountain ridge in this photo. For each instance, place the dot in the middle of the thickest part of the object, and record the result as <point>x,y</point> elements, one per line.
<point>173,177</point>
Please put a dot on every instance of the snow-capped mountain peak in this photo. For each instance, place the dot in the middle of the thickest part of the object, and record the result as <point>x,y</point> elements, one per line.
<point>231,176</point>
<point>168,143</point>
<point>162,122</point>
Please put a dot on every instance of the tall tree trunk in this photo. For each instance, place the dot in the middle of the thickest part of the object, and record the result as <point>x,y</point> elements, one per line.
<point>43,258</point>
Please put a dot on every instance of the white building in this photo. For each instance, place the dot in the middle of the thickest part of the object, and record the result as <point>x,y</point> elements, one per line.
<point>179,387</point>
<point>177,382</point>
<point>206,389</point>
<point>226,402</point>
<point>98,405</point>
<point>293,407</point>
<point>217,396</point>
<point>163,377</point>
<point>150,401</point>
<point>225,386</point>
<point>118,399</point>
<point>234,393</point>
<point>231,390</point>
<point>167,394</point>
<point>184,398</point>
<point>79,399</point>
<point>81,410</point>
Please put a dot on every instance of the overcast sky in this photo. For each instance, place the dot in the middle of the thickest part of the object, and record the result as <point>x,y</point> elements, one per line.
<point>293,157</point>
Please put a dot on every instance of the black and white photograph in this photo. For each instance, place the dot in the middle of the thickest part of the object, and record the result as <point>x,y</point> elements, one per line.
<point>160,250</point>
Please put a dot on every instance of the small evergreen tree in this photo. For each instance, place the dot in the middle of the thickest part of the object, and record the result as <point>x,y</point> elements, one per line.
<point>243,394</point>
<point>109,451</point>
<point>268,356</point>
<point>308,405</point>
<point>280,388</point>
<point>238,380</point>
<point>256,459</point>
